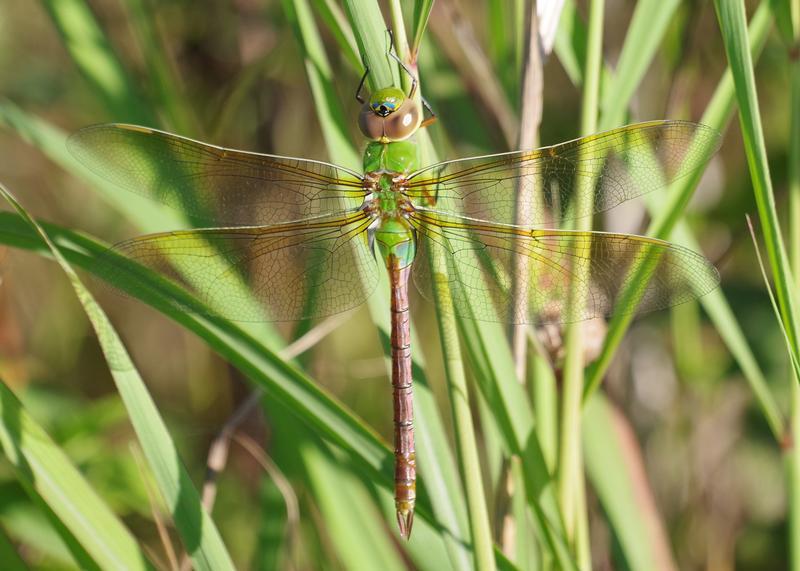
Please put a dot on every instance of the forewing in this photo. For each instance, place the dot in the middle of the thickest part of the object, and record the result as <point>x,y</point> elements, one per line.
<point>274,273</point>
<point>478,263</point>
<point>213,184</point>
<point>542,185</point>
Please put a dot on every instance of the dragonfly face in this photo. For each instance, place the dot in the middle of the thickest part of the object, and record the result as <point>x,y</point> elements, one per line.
<point>389,116</point>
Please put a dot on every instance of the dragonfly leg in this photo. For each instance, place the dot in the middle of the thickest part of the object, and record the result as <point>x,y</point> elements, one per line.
<point>410,73</point>
<point>430,119</point>
<point>393,54</point>
<point>359,97</point>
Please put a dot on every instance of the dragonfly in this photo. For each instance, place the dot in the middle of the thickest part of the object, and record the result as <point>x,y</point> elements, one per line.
<point>306,238</point>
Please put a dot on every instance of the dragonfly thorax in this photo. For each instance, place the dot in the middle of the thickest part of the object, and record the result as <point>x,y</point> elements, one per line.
<point>390,207</point>
<point>387,197</point>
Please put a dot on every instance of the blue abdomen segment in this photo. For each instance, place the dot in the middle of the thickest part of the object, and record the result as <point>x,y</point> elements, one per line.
<point>395,240</point>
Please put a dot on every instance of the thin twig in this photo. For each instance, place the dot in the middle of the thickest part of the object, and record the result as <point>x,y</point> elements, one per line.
<point>792,358</point>
<point>220,446</point>
<point>314,336</point>
<point>283,485</point>
<point>163,534</point>
<point>530,120</point>
<point>218,450</point>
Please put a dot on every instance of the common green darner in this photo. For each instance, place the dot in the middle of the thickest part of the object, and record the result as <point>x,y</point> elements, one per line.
<point>302,233</point>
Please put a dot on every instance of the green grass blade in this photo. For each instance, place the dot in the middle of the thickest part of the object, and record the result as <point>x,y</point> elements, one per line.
<point>162,72</point>
<point>200,536</point>
<point>776,311</point>
<point>9,556</point>
<point>645,34</point>
<point>466,445</point>
<point>332,15</point>
<point>366,19</point>
<point>97,61</point>
<point>792,462</point>
<point>67,548</point>
<point>732,23</point>
<point>422,11</point>
<point>490,357</point>
<point>33,524</point>
<point>352,518</point>
<point>792,454</point>
<point>436,465</point>
<point>570,46</point>
<point>43,468</point>
<point>666,217</point>
<point>283,382</point>
<point>544,395</point>
<point>620,495</point>
<point>571,482</point>
<point>50,140</point>
<point>793,174</point>
<point>464,428</point>
<point>527,553</point>
<point>721,315</point>
<point>320,77</point>
<point>400,40</point>
<point>787,19</point>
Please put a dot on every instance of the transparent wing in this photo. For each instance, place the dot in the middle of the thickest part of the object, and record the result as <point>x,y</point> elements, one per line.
<point>213,184</point>
<point>623,164</point>
<point>284,272</point>
<point>478,260</point>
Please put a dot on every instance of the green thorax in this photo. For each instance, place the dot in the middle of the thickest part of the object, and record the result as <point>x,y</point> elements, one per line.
<point>394,234</point>
<point>399,156</point>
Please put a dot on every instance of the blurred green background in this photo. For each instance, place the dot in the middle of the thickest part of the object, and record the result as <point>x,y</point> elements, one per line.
<point>711,465</point>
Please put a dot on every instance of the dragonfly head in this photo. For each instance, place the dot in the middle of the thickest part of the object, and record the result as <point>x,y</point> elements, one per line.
<point>389,116</point>
<point>386,101</point>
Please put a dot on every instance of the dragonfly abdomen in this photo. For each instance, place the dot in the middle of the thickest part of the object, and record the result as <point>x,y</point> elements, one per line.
<point>396,243</point>
<point>405,468</point>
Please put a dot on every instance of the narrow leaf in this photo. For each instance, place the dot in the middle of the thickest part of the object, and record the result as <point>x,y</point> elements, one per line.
<point>42,467</point>
<point>200,536</point>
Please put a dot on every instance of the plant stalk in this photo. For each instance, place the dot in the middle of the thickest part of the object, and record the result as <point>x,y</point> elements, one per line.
<point>792,450</point>
<point>571,479</point>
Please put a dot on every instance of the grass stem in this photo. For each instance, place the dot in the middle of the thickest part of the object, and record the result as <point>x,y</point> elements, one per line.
<point>792,452</point>
<point>570,466</point>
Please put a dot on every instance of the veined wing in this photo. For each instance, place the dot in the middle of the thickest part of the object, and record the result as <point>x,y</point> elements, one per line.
<point>619,165</point>
<point>478,261</point>
<point>312,268</point>
<point>213,184</point>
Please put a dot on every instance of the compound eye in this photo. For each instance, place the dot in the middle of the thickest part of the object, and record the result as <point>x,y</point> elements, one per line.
<point>404,122</point>
<point>370,123</point>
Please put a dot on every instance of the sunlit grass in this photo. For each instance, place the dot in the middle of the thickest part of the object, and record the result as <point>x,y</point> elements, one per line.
<point>502,438</point>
